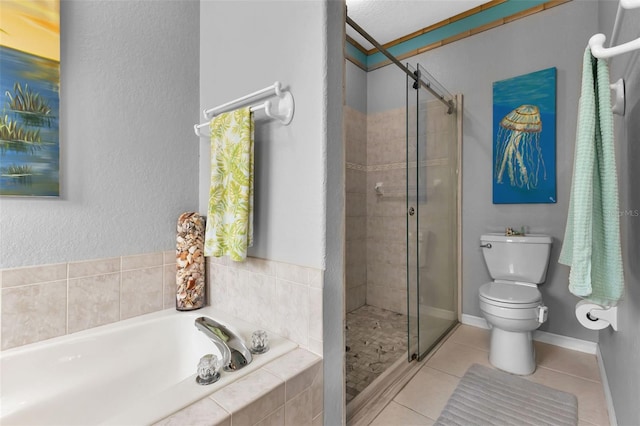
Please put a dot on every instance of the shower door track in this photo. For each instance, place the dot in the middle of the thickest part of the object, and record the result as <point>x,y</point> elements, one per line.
<point>414,76</point>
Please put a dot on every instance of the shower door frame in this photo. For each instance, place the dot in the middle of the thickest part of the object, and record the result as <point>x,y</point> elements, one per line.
<point>456,106</point>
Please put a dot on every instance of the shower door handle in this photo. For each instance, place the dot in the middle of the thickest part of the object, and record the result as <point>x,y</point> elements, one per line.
<point>412,211</point>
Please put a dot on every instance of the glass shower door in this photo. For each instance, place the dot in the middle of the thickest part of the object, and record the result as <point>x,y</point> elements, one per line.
<point>432,226</point>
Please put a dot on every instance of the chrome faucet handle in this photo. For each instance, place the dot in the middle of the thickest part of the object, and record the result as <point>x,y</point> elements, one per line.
<point>259,342</point>
<point>208,370</point>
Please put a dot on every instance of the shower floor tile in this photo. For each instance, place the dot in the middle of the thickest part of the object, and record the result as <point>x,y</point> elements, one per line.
<point>376,338</point>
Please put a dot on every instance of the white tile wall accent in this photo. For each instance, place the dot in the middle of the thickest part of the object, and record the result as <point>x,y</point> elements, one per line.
<point>45,301</point>
<point>285,298</point>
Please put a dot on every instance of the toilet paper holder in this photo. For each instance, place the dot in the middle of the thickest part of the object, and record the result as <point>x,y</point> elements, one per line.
<point>609,315</point>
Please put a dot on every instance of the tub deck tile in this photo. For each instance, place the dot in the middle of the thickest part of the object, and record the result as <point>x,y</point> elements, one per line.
<point>202,413</point>
<point>252,398</point>
<point>286,392</point>
<point>298,369</point>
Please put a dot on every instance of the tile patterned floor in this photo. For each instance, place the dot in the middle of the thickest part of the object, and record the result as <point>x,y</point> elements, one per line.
<point>423,398</point>
<point>376,338</point>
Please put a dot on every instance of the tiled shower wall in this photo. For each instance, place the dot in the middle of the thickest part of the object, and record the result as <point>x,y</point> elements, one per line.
<point>375,225</point>
<point>376,247</point>
<point>42,302</point>
<point>386,213</point>
<point>356,208</point>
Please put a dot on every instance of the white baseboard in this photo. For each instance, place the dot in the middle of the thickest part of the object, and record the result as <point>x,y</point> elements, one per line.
<point>607,391</point>
<point>543,336</point>
<point>474,321</point>
<point>566,342</point>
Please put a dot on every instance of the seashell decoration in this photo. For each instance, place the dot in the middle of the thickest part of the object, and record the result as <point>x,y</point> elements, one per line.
<point>190,289</point>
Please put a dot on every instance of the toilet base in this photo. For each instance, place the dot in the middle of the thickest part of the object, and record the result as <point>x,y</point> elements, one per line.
<point>512,352</point>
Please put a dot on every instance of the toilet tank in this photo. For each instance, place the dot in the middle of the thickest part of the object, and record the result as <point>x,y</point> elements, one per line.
<point>517,258</point>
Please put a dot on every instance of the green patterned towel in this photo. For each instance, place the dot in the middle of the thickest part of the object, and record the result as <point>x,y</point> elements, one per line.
<point>592,237</point>
<point>229,229</point>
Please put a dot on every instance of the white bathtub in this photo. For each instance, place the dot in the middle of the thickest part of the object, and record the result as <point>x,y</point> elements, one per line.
<point>136,371</point>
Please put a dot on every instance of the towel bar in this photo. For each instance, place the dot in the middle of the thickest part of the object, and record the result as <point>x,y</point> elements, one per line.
<point>282,110</point>
<point>596,42</point>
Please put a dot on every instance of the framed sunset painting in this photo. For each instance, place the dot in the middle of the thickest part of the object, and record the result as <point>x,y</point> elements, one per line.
<point>29,86</point>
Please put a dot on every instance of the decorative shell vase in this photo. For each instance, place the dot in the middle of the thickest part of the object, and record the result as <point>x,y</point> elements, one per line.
<point>190,282</point>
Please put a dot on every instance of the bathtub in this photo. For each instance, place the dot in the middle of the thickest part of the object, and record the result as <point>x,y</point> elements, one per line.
<point>136,371</point>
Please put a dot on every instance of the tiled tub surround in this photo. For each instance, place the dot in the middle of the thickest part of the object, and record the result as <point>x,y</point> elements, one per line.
<point>41,302</point>
<point>281,297</point>
<point>287,391</point>
<point>49,301</point>
<point>142,369</point>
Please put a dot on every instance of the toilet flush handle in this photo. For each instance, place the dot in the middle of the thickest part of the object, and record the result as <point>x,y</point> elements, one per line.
<point>543,311</point>
<point>488,245</point>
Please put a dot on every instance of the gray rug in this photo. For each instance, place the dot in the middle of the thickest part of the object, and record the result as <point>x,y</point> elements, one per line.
<point>490,397</point>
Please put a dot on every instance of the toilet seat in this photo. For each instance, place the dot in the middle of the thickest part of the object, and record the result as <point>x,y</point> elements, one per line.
<point>509,295</point>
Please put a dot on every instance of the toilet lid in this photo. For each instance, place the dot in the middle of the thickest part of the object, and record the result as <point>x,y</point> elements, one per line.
<point>510,293</point>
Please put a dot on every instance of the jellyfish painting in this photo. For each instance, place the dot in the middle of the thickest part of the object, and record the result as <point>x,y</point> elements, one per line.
<point>518,149</point>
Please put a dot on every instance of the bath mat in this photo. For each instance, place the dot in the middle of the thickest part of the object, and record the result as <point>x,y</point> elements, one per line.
<point>490,397</point>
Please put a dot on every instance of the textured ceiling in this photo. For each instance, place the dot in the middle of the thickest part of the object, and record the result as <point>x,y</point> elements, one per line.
<point>388,20</point>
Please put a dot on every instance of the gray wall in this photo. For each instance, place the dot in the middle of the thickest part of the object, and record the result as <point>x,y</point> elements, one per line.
<point>553,38</point>
<point>299,169</point>
<point>128,156</point>
<point>386,88</point>
<point>356,90</point>
<point>289,201</point>
<point>621,350</point>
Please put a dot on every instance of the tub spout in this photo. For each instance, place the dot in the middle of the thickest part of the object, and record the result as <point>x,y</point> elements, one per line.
<point>235,353</point>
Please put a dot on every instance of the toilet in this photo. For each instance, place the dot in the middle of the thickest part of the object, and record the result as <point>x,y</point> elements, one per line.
<point>512,303</point>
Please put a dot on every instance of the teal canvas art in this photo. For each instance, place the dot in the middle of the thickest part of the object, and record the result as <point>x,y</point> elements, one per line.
<point>524,139</point>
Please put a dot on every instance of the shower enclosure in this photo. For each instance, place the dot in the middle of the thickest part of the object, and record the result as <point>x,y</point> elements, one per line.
<point>402,223</point>
<point>432,213</point>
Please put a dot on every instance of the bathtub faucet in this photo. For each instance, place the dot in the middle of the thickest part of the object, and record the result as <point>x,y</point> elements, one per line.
<point>235,353</point>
